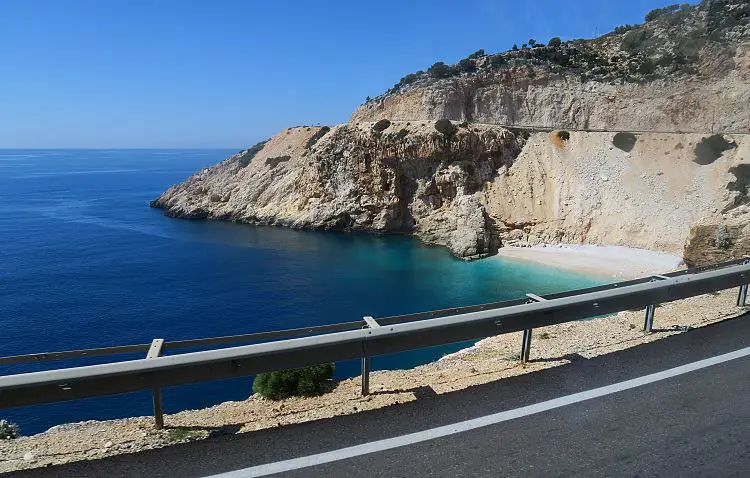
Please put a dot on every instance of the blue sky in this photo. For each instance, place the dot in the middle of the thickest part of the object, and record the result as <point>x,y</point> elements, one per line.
<point>227,73</point>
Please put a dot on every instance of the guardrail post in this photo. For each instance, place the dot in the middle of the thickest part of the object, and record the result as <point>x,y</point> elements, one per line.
<point>648,322</point>
<point>153,352</point>
<point>742,296</point>
<point>365,376</point>
<point>371,324</point>
<point>526,345</point>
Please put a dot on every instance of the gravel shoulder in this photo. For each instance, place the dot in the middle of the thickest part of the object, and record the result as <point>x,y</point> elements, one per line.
<point>488,360</point>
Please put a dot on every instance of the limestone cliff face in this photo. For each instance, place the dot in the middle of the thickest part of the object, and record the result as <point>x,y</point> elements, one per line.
<point>562,100</point>
<point>687,69</point>
<point>405,178</point>
<point>644,190</point>
<point>481,186</point>
<point>670,174</point>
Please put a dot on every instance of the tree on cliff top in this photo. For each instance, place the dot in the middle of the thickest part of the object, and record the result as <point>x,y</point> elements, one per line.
<point>440,70</point>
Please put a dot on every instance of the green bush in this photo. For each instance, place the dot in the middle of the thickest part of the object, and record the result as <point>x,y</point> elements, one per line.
<point>445,126</point>
<point>466,66</point>
<point>314,139</point>
<point>623,28</point>
<point>247,156</point>
<point>8,430</point>
<point>634,39</point>
<point>477,54</point>
<point>554,42</point>
<point>381,126</point>
<point>722,237</point>
<point>440,70</point>
<point>658,12</point>
<point>304,382</point>
<point>497,61</point>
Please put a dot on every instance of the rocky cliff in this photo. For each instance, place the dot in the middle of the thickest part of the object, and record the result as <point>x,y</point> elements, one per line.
<point>400,178</point>
<point>685,70</point>
<point>659,177</point>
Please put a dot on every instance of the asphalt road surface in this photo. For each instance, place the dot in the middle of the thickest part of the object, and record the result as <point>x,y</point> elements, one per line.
<point>597,417</point>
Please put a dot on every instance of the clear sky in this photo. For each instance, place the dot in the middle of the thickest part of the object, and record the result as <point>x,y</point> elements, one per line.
<point>227,73</point>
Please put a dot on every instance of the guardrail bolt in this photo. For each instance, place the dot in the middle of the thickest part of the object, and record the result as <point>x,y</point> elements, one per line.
<point>742,296</point>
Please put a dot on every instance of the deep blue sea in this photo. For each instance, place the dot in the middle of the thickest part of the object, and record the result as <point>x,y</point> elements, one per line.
<point>84,262</point>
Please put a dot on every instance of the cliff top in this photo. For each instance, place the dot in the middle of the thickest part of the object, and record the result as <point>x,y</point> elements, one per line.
<point>674,41</point>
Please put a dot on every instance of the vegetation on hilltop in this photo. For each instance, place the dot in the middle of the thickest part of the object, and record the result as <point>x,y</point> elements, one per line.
<point>668,43</point>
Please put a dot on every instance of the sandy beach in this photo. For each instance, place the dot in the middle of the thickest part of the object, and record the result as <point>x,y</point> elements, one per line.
<point>611,261</point>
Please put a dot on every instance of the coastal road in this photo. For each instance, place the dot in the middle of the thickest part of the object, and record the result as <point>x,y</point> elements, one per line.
<point>676,407</point>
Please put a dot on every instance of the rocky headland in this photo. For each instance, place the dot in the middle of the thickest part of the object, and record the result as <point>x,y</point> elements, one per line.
<point>638,138</point>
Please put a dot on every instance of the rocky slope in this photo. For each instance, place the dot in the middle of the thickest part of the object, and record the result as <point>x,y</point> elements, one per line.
<point>685,70</point>
<point>474,186</point>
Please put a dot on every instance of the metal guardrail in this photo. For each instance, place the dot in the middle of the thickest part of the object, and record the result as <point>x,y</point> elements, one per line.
<point>352,340</point>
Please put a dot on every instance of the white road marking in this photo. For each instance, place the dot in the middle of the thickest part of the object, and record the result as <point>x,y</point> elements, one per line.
<point>446,430</point>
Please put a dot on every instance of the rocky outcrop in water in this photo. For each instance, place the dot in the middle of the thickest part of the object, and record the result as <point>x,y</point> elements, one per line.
<point>406,178</point>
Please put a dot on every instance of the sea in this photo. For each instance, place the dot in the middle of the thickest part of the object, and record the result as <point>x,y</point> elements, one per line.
<point>85,262</point>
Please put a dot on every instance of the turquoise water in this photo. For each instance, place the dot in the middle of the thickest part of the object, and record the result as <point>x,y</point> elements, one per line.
<point>84,262</point>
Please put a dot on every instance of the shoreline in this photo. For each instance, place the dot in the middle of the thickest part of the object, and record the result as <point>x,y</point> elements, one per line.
<point>609,261</point>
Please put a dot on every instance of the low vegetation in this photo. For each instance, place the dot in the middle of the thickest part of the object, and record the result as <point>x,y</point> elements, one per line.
<point>381,126</point>
<point>247,156</point>
<point>177,435</point>
<point>304,382</point>
<point>321,132</point>
<point>722,237</point>
<point>445,127</point>
<point>668,43</point>
<point>8,430</point>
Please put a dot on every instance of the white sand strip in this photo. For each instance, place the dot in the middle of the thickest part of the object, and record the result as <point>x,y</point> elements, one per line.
<point>616,261</point>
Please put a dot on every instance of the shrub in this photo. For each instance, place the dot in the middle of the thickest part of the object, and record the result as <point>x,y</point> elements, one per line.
<point>8,430</point>
<point>623,28</point>
<point>381,126</point>
<point>402,133</point>
<point>477,54</point>
<point>319,134</point>
<point>722,237</point>
<point>515,47</point>
<point>497,61</point>
<point>466,66</point>
<point>248,155</point>
<point>409,79</point>
<point>634,39</point>
<point>658,12</point>
<point>440,70</point>
<point>304,382</point>
<point>554,42</point>
<point>445,126</point>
